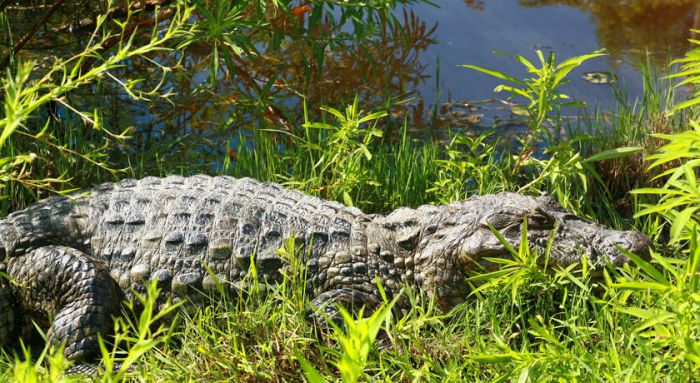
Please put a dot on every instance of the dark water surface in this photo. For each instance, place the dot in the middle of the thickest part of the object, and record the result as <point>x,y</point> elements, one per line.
<point>426,69</point>
<point>632,32</point>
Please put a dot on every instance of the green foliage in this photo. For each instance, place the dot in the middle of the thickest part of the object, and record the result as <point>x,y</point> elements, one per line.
<point>680,195</point>
<point>542,89</point>
<point>356,342</point>
<point>341,171</point>
<point>522,270</point>
<point>27,370</point>
<point>136,334</point>
<point>87,114</point>
<point>665,299</point>
<point>565,172</point>
<point>339,149</point>
<point>637,324</point>
<point>472,164</point>
<point>26,92</point>
<point>221,27</point>
<point>294,282</point>
<point>679,160</point>
<point>690,72</point>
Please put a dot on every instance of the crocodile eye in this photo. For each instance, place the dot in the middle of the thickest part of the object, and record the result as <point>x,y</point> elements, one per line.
<point>540,221</point>
<point>500,220</point>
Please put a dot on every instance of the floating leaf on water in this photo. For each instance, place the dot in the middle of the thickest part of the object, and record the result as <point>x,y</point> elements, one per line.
<point>519,110</point>
<point>599,77</point>
<point>474,118</point>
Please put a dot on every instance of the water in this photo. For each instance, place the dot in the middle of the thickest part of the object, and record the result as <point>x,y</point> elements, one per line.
<point>632,32</point>
<point>426,71</point>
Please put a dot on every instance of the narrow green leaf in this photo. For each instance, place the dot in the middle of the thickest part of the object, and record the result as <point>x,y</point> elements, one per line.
<point>646,266</point>
<point>687,104</point>
<point>493,358</point>
<point>657,191</point>
<point>638,312</point>
<point>580,59</point>
<point>494,73</point>
<point>503,240</point>
<point>366,152</point>
<point>530,67</point>
<point>642,286</point>
<point>659,318</point>
<point>311,373</point>
<point>489,276</point>
<point>334,112</point>
<point>680,223</point>
<point>373,116</point>
<point>613,153</point>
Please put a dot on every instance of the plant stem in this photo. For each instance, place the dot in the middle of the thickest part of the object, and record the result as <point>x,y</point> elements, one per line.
<point>35,27</point>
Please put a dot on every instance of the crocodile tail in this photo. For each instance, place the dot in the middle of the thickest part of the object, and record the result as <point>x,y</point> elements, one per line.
<point>8,237</point>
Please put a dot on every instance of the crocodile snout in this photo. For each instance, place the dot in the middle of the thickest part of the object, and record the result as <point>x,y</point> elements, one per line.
<point>639,244</point>
<point>632,241</point>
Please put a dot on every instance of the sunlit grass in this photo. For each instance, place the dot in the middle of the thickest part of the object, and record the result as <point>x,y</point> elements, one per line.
<point>631,325</point>
<point>565,326</point>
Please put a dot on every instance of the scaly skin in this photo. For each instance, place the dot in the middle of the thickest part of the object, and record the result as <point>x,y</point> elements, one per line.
<point>76,258</point>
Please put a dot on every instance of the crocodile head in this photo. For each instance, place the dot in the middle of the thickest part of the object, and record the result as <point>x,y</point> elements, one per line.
<point>457,239</point>
<point>574,238</point>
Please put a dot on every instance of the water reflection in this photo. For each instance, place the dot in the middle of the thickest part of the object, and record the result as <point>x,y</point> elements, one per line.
<point>623,27</point>
<point>378,69</point>
<point>658,27</point>
<point>322,64</point>
<point>295,62</point>
<point>633,32</point>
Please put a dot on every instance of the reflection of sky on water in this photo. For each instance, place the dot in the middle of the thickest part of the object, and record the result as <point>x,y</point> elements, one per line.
<point>467,35</point>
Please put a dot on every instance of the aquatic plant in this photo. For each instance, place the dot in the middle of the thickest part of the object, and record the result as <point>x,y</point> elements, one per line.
<point>222,71</point>
<point>679,158</point>
<point>27,90</point>
<point>542,90</point>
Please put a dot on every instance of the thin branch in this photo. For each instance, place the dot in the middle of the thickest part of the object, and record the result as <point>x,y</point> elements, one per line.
<point>112,41</point>
<point>35,27</point>
<point>89,23</point>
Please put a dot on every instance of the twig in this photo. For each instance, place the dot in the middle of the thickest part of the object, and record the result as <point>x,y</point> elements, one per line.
<point>89,23</point>
<point>112,41</point>
<point>4,4</point>
<point>35,27</point>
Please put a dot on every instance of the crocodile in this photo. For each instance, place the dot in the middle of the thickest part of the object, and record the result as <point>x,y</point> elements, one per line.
<point>70,261</point>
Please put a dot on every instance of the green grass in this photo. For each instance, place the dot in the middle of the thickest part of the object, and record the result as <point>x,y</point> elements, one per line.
<point>560,326</point>
<point>633,325</point>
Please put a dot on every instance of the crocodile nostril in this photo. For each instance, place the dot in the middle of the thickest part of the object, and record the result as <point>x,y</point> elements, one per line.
<point>638,244</point>
<point>641,246</point>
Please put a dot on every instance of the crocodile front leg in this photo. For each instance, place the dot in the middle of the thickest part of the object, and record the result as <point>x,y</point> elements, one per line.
<point>351,299</point>
<point>65,287</point>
